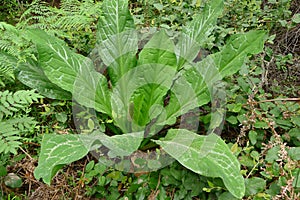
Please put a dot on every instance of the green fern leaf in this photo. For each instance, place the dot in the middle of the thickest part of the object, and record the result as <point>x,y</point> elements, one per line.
<point>9,137</point>
<point>11,103</point>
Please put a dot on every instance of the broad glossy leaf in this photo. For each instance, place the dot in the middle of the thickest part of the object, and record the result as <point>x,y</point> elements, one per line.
<point>115,19</point>
<point>204,77</point>
<point>158,53</point>
<point>122,145</point>
<point>32,75</point>
<point>182,99</point>
<point>58,150</point>
<point>205,155</point>
<point>159,50</point>
<point>195,84</point>
<point>117,39</point>
<point>196,33</point>
<point>230,59</point>
<point>60,64</point>
<point>37,36</point>
<point>144,101</point>
<point>122,104</point>
<point>66,68</point>
<point>91,89</point>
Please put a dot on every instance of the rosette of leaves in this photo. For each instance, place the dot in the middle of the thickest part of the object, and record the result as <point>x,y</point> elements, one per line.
<point>132,94</point>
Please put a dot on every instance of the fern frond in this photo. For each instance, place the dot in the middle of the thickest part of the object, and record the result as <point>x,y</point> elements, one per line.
<point>11,103</point>
<point>7,27</point>
<point>9,138</point>
<point>74,21</point>
<point>14,124</point>
<point>36,13</point>
<point>6,46</point>
<point>10,38</point>
<point>78,14</point>
<point>23,124</point>
<point>8,64</point>
<point>11,132</point>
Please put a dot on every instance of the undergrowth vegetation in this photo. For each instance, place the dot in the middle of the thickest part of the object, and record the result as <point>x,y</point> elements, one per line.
<point>45,107</point>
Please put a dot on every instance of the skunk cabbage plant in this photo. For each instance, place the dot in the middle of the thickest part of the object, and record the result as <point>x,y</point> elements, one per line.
<point>141,90</point>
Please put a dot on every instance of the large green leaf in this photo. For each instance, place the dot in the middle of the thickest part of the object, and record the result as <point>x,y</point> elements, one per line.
<point>32,75</point>
<point>230,59</point>
<point>194,84</point>
<point>115,19</point>
<point>195,87</point>
<point>72,72</point>
<point>196,33</point>
<point>58,150</point>
<point>156,77</point>
<point>122,145</point>
<point>205,155</point>
<point>91,89</point>
<point>180,102</point>
<point>144,100</point>
<point>117,38</point>
<point>158,53</point>
<point>204,76</point>
<point>213,68</point>
<point>159,50</point>
<point>60,64</point>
